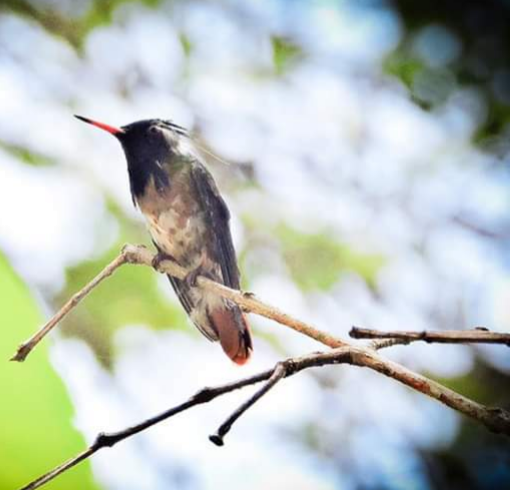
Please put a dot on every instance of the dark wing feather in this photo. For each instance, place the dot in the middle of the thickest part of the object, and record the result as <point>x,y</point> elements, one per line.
<point>183,293</point>
<point>218,222</point>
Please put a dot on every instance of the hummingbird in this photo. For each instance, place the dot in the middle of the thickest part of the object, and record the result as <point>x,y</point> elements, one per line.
<point>188,222</point>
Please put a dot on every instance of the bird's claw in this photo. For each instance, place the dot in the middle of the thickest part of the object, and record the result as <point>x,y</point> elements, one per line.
<point>160,257</point>
<point>191,277</point>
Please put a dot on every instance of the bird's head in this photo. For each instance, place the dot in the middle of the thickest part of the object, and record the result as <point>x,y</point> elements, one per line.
<point>144,141</point>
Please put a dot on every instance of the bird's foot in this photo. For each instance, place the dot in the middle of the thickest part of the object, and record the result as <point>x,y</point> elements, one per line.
<point>160,257</point>
<point>192,276</point>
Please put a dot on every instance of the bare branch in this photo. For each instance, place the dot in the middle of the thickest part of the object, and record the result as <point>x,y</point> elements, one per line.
<point>496,419</point>
<point>478,335</point>
<point>279,373</point>
<point>26,347</point>
<point>204,395</point>
<point>47,477</point>
<point>103,440</point>
<point>248,301</point>
<point>132,254</point>
<point>385,343</point>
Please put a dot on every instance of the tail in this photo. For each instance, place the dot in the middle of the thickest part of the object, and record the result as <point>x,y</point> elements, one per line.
<point>218,319</point>
<point>233,331</point>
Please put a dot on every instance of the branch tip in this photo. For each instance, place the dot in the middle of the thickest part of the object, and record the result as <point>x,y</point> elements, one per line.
<point>131,253</point>
<point>496,419</point>
<point>21,354</point>
<point>279,372</point>
<point>217,440</point>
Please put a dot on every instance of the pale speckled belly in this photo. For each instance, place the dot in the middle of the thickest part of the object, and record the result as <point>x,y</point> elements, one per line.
<point>175,221</point>
<point>179,234</point>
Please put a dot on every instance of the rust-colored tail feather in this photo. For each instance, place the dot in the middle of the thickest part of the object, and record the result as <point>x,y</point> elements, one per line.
<point>233,332</point>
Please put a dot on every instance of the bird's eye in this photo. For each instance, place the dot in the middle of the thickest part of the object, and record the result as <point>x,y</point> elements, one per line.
<point>153,130</point>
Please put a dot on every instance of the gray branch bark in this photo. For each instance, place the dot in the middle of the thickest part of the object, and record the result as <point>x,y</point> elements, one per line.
<point>479,335</point>
<point>342,352</point>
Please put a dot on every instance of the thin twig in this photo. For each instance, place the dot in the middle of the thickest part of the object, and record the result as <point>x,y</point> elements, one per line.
<point>279,373</point>
<point>496,419</point>
<point>47,477</point>
<point>204,395</point>
<point>385,343</point>
<point>26,347</point>
<point>104,440</point>
<point>477,335</point>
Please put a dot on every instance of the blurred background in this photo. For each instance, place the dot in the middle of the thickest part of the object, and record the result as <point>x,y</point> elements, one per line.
<point>369,185</point>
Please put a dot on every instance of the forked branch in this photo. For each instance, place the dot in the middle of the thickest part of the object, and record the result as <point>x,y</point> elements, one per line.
<point>495,419</point>
<point>132,254</point>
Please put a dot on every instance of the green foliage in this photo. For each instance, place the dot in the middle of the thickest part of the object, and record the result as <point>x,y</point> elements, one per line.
<point>495,127</point>
<point>484,45</point>
<point>36,412</point>
<point>101,12</point>
<point>27,156</point>
<point>316,261</point>
<point>285,54</point>
<point>50,19</point>
<point>483,383</point>
<point>187,45</point>
<point>73,29</point>
<point>132,296</point>
<point>403,67</point>
<point>428,87</point>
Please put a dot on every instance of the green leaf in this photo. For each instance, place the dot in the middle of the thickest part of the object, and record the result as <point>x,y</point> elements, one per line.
<point>403,67</point>
<point>27,156</point>
<point>36,412</point>
<point>186,44</point>
<point>316,261</point>
<point>73,29</point>
<point>285,54</point>
<point>131,296</point>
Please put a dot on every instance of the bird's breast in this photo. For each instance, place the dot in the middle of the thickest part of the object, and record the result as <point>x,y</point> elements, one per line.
<point>175,221</point>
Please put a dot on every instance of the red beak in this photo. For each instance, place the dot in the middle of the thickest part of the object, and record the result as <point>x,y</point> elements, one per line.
<point>111,129</point>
